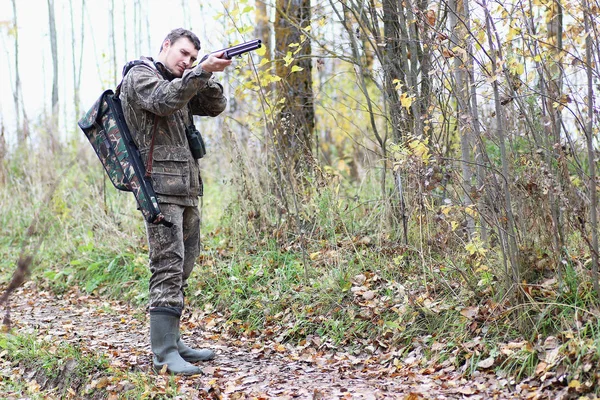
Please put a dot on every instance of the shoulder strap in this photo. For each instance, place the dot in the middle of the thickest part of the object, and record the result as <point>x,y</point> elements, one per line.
<point>149,163</point>
<point>126,69</point>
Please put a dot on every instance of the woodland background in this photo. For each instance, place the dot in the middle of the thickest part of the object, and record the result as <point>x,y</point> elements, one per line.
<point>387,173</point>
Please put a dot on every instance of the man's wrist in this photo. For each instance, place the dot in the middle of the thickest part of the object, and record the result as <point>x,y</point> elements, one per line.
<point>198,71</point>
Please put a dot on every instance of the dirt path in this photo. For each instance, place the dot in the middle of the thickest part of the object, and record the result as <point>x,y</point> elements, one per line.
<point>243,368</point>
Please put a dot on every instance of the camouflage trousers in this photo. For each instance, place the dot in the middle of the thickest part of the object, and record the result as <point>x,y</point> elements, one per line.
<point>173,252</point>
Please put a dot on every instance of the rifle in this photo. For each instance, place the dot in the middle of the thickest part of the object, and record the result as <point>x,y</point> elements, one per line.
<point>236,50</point>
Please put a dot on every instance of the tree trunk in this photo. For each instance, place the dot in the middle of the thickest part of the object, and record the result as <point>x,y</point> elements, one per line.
<point>137,28</point>
<point>113,40</point>
<point>554,88</point>
<point>125,41</point>
<point>263,27</point>
<point>474,111</point>
<point>458,38</point>
<point>17,93</point>
<point>508,233</point>
<point>54,48</point>
<point>297,119</point>
<point>589,134</point>
<point>77,71</point>
<point>394,74</point>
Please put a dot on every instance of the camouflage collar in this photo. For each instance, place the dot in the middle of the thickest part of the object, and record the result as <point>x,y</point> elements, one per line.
<point>157,65</point>
<point>164,71</point>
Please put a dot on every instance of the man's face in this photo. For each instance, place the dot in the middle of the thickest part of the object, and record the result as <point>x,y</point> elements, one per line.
<point>178,56</point>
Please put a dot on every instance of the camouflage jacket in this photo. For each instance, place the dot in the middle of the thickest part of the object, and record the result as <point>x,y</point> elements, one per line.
<point>149,90</point>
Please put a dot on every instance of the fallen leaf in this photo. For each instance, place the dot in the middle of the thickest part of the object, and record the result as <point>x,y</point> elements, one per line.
<point>209,370</point>
<point>487,363</point>
<point>103,382</point>
<point>359,279</point>
<point>467,390</point>
<point>280,348</point>
<point>575,384</point>
<point>368,295</point>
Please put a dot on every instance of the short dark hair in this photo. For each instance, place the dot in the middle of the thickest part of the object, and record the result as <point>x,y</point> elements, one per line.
<point>178,33</point>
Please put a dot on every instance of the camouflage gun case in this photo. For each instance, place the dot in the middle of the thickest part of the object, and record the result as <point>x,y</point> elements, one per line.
<point>104,126</point>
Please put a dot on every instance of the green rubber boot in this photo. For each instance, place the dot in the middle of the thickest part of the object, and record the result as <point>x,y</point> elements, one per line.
<point>164,334</point>
<point>193,355</point>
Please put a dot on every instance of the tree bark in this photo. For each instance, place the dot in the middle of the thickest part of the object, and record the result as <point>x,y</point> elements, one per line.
<point>17,93</point>
<point>113,40</point>
<point>54,47</point>
<point>263,27</point>
<point>458,38</point>
<point>77,71</point>
<point>474,111</point>
<point>125,41</point>
<point>137,28</point>
<point>589,134</point>
<point>509,232</point>
<point>297,119</point>
<point>394,74</point>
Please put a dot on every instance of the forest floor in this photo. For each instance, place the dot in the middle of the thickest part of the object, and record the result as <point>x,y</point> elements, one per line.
<point>244,368</point>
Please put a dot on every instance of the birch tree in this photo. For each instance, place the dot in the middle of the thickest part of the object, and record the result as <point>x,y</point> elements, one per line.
<point>507,229</point>
<point>17,93</point>
<point>55,105</point>
<point>459,35</point>
<point>113,40</point>
<point>589,134</point>
<point>77,64</point>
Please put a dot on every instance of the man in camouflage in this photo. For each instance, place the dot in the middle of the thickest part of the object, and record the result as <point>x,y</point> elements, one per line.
<point>159,97</point>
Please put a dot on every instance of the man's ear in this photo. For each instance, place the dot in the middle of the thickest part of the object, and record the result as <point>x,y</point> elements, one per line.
<point>166,44</point>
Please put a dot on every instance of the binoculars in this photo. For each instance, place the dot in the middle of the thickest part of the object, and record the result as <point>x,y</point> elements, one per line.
<point>195,141</point>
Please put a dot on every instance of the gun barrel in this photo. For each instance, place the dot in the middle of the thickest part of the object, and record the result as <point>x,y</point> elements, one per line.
<point>242,48</point>
<point>238,49</point>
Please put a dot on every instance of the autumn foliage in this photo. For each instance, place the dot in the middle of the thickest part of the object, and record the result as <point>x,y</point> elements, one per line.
<point>413,180</point>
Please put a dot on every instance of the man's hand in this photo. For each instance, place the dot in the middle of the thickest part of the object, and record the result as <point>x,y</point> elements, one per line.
<point>214,63</point>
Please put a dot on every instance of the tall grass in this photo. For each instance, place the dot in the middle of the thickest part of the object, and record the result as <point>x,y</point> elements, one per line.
<point>264,272</point>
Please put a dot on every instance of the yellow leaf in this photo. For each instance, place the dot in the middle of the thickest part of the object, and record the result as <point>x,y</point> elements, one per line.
<point>519,68</point>
<point>471,210</point>
<point>470,247</point>
<point>296,68</point>
<point>406,101</point>
<point>454,225</point>
<point>280,348</point>
<point>420,148</point>
<point>481,36</point>
<point>261,51</point>
<point>288,59</point>
<point>512,32</point>
<point>575,384</point>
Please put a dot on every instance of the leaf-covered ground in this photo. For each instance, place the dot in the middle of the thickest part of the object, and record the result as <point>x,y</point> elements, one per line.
<point>246,368</point>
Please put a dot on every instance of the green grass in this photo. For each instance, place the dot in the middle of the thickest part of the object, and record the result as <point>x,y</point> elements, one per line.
<point>54,368</point>
<point>293,281</point>
<point>37,369</point>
